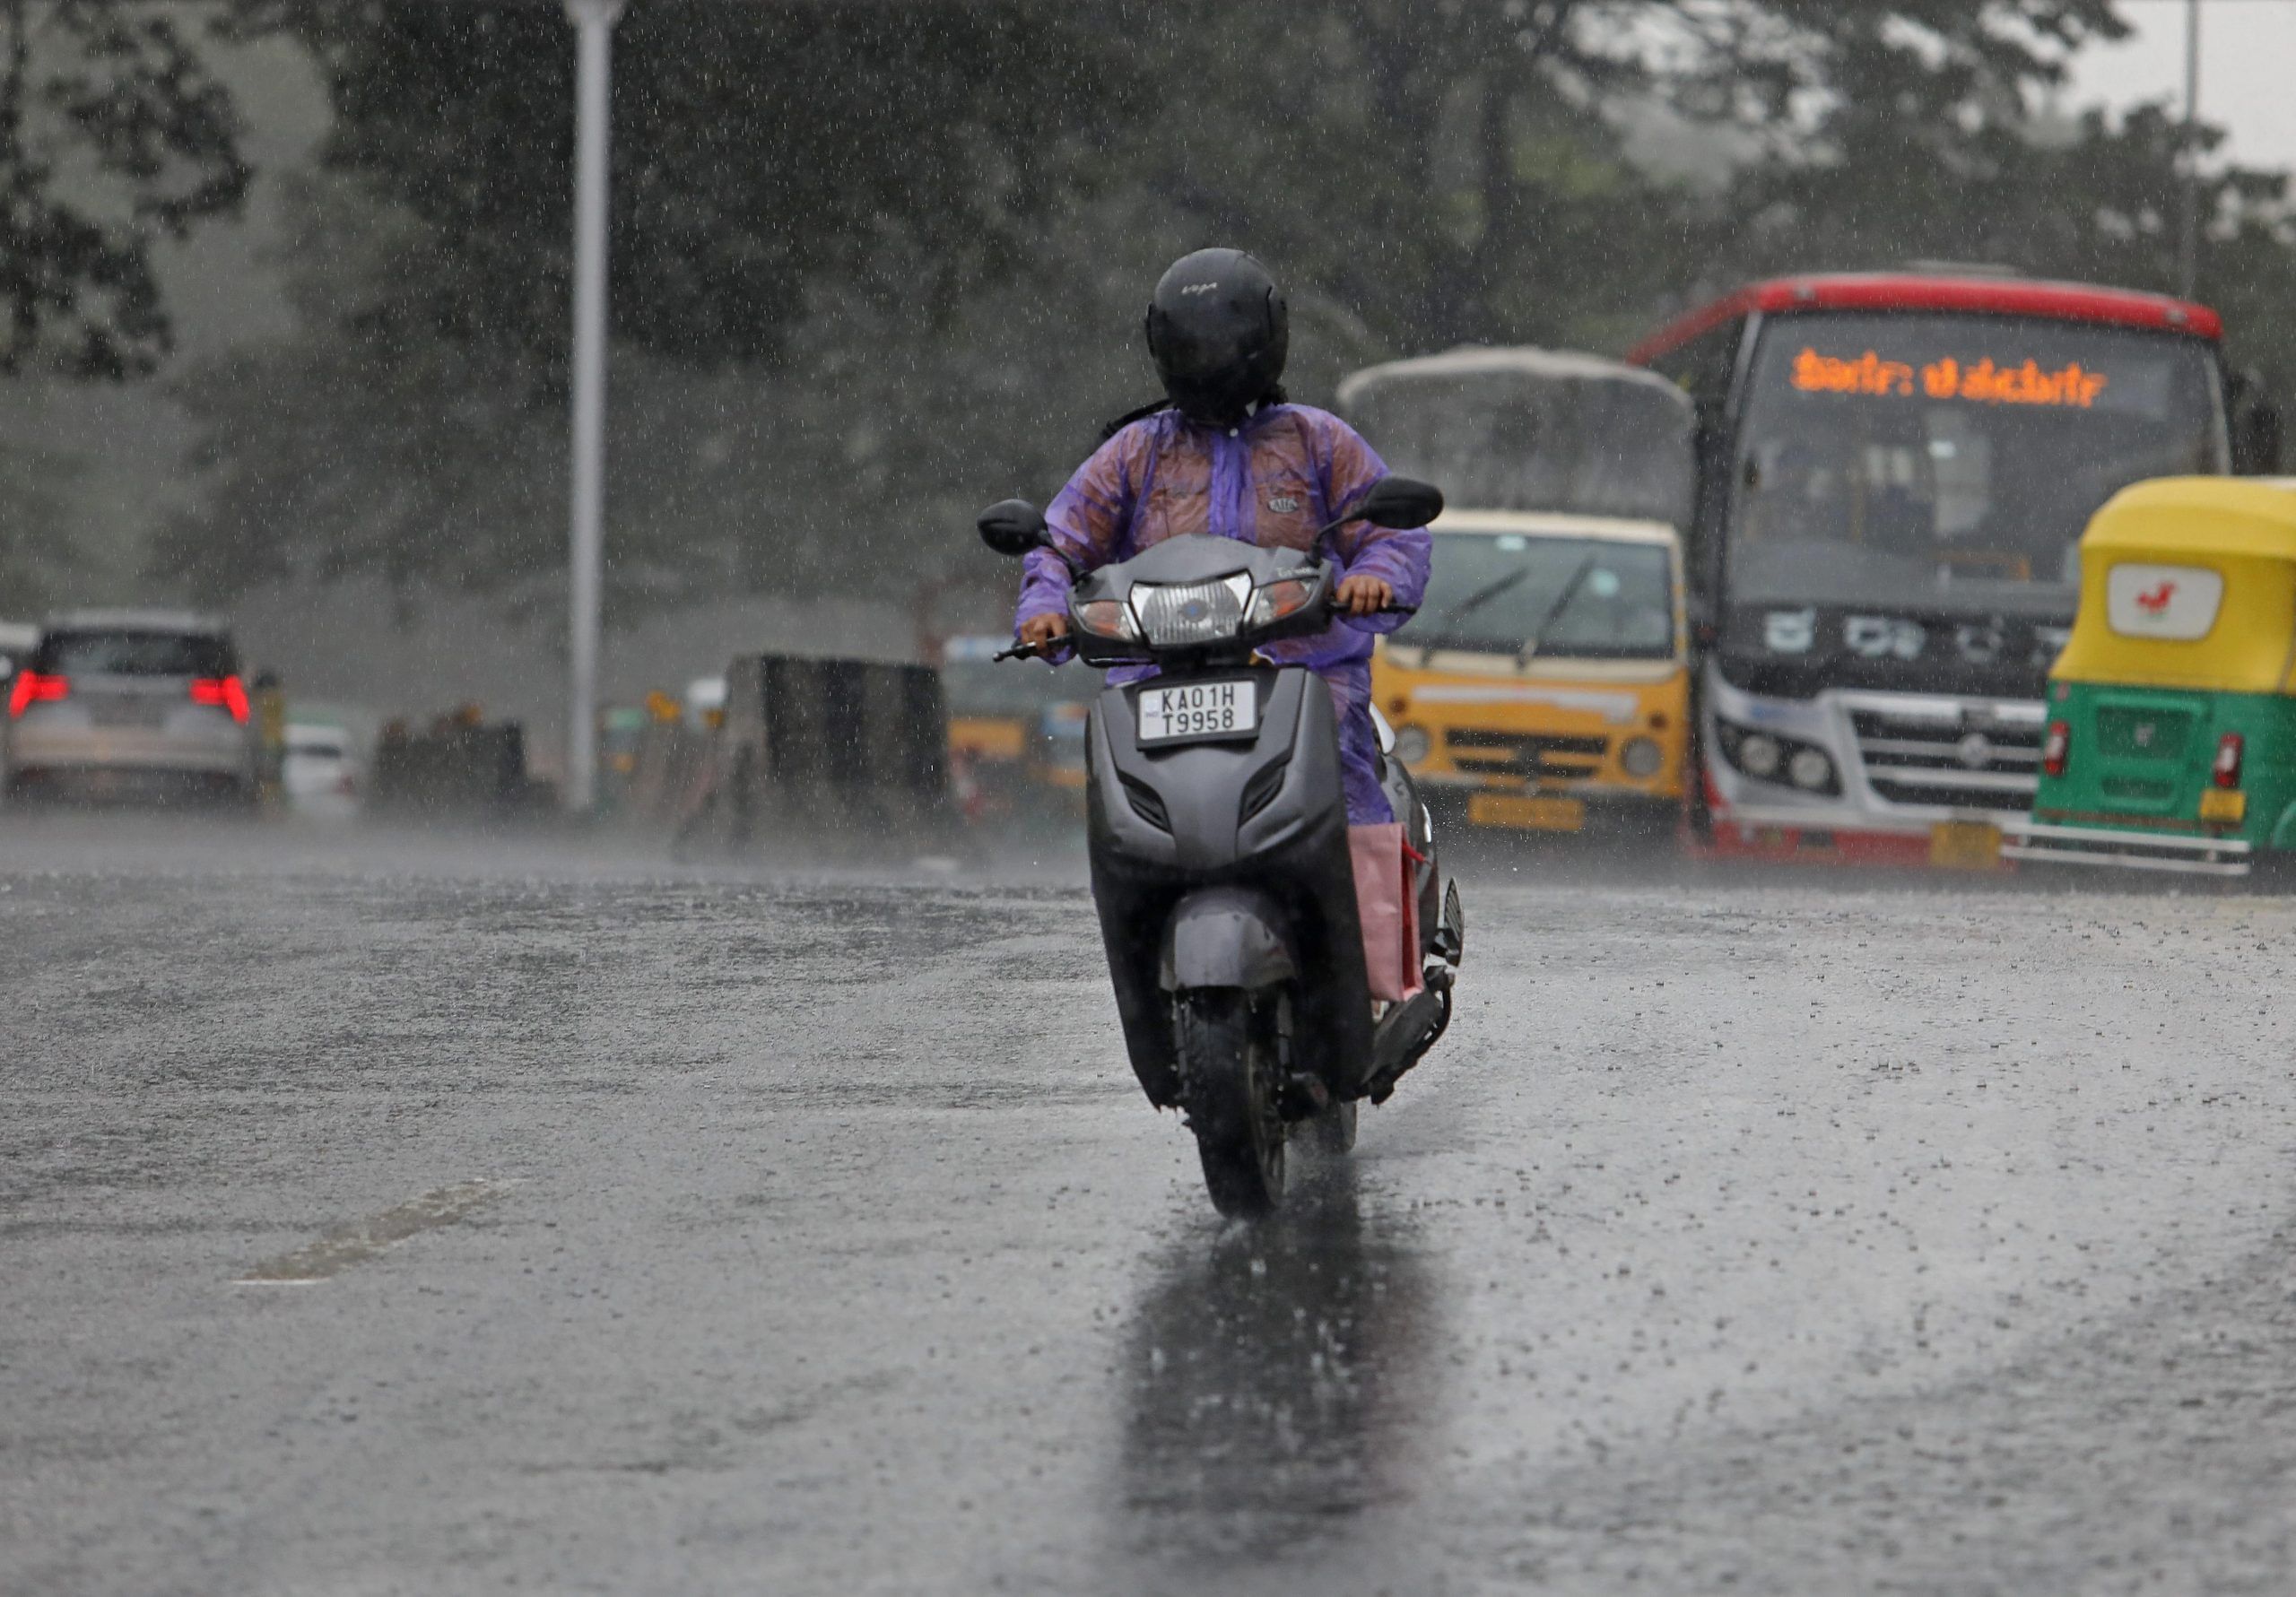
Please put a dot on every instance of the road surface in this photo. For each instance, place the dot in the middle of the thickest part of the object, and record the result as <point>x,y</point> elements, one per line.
<point>476,1218</point>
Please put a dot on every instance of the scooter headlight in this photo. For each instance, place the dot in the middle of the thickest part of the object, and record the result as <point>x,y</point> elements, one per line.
<point>1106,618</point>
<point>1273,601</point>
<point>1176,614</point>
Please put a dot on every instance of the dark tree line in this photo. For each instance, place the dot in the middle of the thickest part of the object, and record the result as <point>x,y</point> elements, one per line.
<point>875,261</point>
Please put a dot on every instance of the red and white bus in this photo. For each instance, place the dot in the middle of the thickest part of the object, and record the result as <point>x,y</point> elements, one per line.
<point>1894,471</point>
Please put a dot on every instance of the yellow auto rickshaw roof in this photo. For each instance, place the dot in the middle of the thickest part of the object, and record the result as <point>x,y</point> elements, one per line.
<point>2244,529</point>
<point>2198,517</point>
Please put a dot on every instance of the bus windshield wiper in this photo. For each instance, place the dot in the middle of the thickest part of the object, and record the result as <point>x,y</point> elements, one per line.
<point>1537,634</point>
<point>1474,602</point>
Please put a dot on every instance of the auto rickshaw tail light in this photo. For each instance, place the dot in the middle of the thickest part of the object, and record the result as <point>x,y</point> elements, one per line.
<point>2055,744</point>
<point>2226,773</point>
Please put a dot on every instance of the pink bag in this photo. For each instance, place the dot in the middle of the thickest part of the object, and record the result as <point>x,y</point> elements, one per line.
<point>1388,909</point>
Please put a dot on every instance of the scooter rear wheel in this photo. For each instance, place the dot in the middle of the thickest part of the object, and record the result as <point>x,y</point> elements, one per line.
<point>1228,1086</point>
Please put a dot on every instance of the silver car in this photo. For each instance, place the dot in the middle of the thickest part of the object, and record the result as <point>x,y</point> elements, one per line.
<point>145,705</point>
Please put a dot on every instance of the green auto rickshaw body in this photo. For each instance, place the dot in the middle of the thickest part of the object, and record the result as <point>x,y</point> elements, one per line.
<point>2171,733</point>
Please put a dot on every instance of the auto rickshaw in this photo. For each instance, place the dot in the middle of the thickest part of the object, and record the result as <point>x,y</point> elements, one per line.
<point>1545,684</point>
<point>2170,743</point>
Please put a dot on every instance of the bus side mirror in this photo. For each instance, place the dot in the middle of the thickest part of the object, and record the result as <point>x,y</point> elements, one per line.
<point>1705,628</point>
<point>2255,427</point>
<point>2256,441</point>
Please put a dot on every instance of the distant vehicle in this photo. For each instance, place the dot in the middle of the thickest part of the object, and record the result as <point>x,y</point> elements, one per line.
<point>1894,469</point>
<point>1016,738</point>
<point>1545,680</point>
<point>705,703</point>
<point>2171,737</point>
<point>131,705</point>
<point>320,772</point>
<point>1545,684</point>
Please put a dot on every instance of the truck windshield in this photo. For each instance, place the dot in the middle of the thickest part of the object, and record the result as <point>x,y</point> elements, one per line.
<point>1950,462</point>
<point>1589,597</point>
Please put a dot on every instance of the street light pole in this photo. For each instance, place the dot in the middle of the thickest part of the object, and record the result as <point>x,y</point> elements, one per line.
<point>593,22</point>
<point>2188,243</point>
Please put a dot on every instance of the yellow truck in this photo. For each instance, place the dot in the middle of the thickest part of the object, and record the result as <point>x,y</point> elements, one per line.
<point>1545,684</point>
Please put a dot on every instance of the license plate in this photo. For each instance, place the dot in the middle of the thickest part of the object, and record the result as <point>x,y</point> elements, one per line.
<point>2224,807</point>
<point>1198,712</point>
<point>1965,845</point>
<point>1531,811</point>
<point>123,712</point>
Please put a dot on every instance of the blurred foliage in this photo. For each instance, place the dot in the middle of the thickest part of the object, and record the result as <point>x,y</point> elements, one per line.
<point>875,265</point>
<point>113,134</point>
<point>36,564</point>
<point>906,150</point>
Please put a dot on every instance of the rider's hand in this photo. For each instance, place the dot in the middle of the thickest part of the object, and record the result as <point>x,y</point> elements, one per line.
<point>1044,630</point>
<point>1364,595</point>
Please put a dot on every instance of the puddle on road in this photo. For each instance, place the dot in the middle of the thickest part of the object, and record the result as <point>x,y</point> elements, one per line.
<point>361,1240</point>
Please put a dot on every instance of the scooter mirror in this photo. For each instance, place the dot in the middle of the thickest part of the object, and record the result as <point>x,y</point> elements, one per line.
<point>1399,502</point>
<point>1013,528</point>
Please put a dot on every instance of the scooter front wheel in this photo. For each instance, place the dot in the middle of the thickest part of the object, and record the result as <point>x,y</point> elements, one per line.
<point>1333,1131</point>
<point>1228,1086</point>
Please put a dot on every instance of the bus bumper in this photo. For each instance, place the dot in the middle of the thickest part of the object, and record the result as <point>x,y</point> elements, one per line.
<point>2046,843</point>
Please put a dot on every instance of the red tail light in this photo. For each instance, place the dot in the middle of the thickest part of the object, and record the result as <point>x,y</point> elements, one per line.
<point>2055,746</point>
<point>226,692</point>
<point>2226,772</point>
<point>33,688</point>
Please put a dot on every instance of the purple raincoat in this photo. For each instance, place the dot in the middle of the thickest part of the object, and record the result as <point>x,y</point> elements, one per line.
<point>1271,481</point>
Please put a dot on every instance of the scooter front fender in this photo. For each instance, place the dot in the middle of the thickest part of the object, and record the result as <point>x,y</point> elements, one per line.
<point>1226,937</point>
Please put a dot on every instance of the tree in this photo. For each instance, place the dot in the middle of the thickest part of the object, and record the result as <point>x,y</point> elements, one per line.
<point>758,151</point>
<point>112,135</point>
<point>869,270</point>
<point>35,562</point>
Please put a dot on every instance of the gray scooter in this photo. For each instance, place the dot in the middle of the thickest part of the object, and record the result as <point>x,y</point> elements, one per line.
<point>1218,846</point>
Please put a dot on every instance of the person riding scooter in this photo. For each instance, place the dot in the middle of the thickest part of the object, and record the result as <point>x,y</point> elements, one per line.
<point>1228,455</point>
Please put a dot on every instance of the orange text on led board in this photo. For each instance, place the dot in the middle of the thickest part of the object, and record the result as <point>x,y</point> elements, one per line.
<point>2073,385</point>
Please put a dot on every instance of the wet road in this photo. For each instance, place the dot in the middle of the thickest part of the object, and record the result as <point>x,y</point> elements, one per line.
<point>487,1220</point>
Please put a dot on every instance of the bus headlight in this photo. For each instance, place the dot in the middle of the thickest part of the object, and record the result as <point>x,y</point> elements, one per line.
<point>1413,744</point>
<point>1773,757</point>
<point>1759,755</point>
<point>1810,770</point>
<point>1640,758</point>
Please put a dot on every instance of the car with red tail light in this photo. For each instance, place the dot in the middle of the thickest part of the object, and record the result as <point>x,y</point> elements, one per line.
<point>132,704</point>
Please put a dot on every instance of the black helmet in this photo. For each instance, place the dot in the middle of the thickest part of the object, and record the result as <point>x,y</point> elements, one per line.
<point>1219,331</point>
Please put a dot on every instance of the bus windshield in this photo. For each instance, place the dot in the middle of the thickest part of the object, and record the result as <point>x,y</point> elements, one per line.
<point>1532,430</point>
<point>1950,462</point>
<point>1591,598</point>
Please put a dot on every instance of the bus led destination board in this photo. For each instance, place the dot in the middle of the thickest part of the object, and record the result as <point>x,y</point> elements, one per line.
<point>2071,387</point>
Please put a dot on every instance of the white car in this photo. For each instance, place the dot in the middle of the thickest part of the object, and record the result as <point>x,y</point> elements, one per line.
<point>131,705</point>
<point>320,772</point>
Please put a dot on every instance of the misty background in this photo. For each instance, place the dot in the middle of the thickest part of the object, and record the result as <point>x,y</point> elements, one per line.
<point>875,265</point>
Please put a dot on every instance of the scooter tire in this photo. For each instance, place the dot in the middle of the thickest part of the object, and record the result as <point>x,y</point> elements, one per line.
<point>1228,1087</point>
